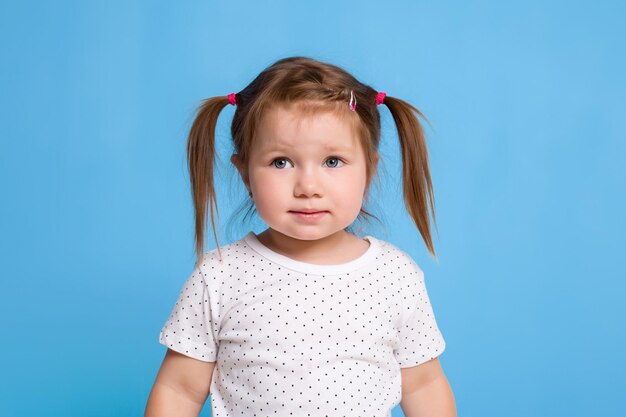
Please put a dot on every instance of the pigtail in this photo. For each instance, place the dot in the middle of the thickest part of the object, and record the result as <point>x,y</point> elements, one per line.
<point>200,155</point>
<point>417,185</point>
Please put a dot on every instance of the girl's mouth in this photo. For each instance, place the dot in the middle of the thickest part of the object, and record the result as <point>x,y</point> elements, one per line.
<point>309,216</point>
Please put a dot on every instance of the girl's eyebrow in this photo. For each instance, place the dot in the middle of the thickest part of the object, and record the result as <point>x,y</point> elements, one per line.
<point>328,148</point>
<point>335,148</point>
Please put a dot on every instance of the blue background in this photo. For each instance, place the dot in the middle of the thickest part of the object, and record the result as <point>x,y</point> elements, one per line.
<point>527,102</point>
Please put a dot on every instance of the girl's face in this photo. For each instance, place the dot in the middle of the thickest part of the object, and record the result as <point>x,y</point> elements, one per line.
<point>312,163</point>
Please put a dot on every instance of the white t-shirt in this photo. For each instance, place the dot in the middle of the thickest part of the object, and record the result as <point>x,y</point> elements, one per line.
<point>297,339</point>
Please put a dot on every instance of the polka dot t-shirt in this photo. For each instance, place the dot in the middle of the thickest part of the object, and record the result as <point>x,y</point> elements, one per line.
<point>297,339</point>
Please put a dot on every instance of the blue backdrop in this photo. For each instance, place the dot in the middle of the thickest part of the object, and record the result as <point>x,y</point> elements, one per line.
<point>527,101</point>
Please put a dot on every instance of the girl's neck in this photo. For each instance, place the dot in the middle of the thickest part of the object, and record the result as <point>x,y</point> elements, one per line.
<point>337,248</point>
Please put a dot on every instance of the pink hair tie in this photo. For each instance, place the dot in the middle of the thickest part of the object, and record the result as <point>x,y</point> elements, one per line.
<point>231,99</point>
<point>380,97</point>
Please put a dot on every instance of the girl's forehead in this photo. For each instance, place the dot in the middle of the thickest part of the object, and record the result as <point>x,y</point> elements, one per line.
<point>284,126</point>
<point>305,111</point>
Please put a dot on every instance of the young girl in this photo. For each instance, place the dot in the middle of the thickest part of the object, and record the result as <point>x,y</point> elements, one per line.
<point>305,318</point>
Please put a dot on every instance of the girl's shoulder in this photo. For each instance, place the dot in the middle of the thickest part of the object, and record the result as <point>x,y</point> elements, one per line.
<point>394,253</point>
<point>215,264</point>
<point>225,254</point>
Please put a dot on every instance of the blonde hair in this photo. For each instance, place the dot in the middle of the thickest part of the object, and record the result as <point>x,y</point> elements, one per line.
<point>314,86</point>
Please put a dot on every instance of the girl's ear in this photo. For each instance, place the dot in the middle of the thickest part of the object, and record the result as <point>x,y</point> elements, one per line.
<point>234,158</point>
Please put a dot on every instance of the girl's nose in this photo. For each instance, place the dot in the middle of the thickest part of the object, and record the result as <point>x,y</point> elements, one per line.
<point>308,184</point>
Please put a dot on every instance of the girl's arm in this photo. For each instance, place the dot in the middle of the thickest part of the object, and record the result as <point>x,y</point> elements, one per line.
<point>426,392</point>
<point>181,387</point>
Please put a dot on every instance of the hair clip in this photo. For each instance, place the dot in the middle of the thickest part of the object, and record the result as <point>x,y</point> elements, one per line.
<point>352,103</point>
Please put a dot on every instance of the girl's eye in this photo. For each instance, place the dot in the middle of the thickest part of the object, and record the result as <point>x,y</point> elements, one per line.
<point>280,165</point>
<point>334,161</point>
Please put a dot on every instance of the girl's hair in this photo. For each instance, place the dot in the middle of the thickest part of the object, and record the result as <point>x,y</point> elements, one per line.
<point>313,86</point>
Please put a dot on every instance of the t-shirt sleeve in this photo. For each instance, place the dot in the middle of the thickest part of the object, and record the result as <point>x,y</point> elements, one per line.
<point>419,335</point>
<point>190,328</point>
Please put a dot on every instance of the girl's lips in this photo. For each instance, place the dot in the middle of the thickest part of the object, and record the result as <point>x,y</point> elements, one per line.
<point>309,216</point>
